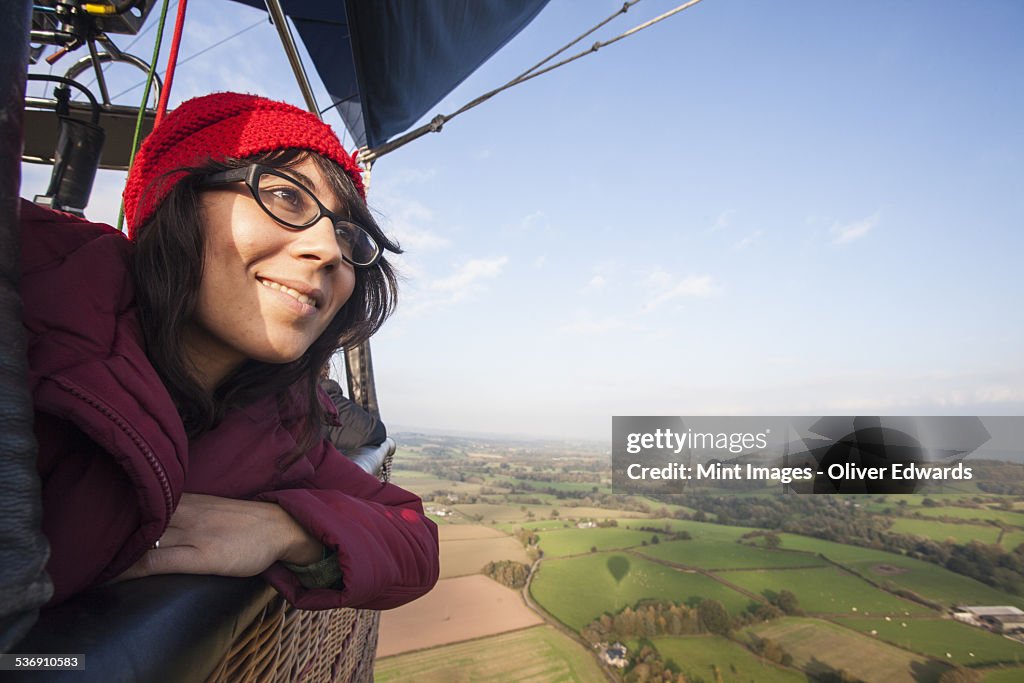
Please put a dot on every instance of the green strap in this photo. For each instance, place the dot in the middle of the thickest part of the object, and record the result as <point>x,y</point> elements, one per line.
<point>145,98</point>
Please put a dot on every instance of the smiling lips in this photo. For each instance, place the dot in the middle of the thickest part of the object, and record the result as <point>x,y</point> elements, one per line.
<point>299,296</point>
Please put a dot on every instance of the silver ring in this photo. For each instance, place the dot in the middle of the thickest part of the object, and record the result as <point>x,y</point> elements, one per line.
<point>157,544</point>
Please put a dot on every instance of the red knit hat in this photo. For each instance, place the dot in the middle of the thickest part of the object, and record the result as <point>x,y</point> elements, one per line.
<point>218,126</point>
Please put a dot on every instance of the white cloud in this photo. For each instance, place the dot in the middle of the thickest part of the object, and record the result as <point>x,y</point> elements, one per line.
<point>540,261</point>
<point>418,239</point>
<point>842,234</point>
<point>748,240</point>
<point>467,275</point>
<point>597,282</point>
<point>724,220</point>
<point>464,284</point>
<point>538,220</point>
<point>668,288</point>
<point>407,220</point>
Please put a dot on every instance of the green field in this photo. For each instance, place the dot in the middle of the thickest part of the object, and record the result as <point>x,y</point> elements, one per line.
<point>715,554</point>
<point>580,589</point>
<point>967,645</point>
<point>814,643</point>
<point>826,591</point>
<point>924,578</point>
<point>695,656</point>
<point>941,531</point>
<point>561,542</point>
<point>423,484</point>
<point>1012,539</point>
<point>534,525</point>
<point>540,654</point>
<point>1007,675</point>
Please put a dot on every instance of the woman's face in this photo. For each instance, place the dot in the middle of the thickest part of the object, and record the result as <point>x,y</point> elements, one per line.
<point>267,292</point>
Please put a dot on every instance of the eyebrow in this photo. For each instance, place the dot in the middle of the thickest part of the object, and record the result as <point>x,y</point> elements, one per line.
<point>311,186</point>
<point>301,177</point>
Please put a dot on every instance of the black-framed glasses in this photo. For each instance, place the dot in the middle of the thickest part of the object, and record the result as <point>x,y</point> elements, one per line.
<point>291,204</point>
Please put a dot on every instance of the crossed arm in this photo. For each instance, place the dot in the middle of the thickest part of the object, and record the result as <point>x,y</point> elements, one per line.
<point>227,537</point>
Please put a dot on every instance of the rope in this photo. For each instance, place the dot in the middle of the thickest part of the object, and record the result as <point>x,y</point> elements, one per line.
<point>172,60</point>
<point>438,121</point>
<point>145,96</point>
<point>622,10</point>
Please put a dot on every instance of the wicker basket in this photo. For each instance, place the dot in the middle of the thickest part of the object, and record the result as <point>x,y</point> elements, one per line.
<point>285,644</point>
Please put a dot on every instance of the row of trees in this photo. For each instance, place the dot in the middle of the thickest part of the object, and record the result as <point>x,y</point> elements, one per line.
<point>660,618</point>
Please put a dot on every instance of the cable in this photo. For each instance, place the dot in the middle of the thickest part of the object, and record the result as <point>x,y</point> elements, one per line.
<point>625,8</point>
<point>145,96</point>
<point>138,37</point>
<point>436,123</point>
<point>197,54</point>
<point>172,58</point>
<point>73,84</point>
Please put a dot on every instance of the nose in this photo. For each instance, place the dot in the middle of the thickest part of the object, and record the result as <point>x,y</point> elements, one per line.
<point>318,243</point>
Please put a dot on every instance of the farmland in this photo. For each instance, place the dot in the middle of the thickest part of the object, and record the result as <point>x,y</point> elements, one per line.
<point>715,554</point>
<point>472,628</point>
<point>578,590</point>
<point>923,578</point>
<point>561,542</point>
<point>940,531</point>
<point>827,590</point>
<point>539,654</point>
<point>817,644</point>
<point>942,639</point>
<point>699,655</point>
<point>457,609</point>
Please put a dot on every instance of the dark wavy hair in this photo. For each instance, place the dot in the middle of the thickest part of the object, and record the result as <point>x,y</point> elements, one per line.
<point>167,269</point>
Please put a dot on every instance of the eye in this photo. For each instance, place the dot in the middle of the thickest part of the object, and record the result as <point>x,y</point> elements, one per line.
<point>286,195</point>
<point>344,232</point>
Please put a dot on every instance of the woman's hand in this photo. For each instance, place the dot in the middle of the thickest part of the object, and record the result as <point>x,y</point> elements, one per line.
<point>226,537</point>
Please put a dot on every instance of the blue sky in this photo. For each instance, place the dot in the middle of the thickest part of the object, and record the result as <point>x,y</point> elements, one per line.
<point>751,208</point>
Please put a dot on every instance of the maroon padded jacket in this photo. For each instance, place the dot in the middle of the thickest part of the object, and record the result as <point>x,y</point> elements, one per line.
<point>114,458</point>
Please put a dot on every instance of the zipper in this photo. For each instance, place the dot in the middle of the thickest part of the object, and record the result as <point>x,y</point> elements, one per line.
<point>130,432</point>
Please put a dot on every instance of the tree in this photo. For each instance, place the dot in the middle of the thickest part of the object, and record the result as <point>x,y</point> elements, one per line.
<point>772,541</point>
<point>713,617</point>
<point>787,602</point>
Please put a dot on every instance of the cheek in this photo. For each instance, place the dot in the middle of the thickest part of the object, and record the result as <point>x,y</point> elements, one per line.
<point>344,287</point>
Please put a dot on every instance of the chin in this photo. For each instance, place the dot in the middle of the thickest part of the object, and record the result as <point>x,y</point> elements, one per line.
<point>280,356</point>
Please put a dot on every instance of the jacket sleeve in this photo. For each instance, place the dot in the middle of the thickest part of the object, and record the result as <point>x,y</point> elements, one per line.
<point>386,548</point>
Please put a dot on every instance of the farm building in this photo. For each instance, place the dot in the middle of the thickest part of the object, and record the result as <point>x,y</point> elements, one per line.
<point>614,655</point>
<point>999,618</point>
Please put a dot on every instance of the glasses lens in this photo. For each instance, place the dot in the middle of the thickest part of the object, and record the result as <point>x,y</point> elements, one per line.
<point>357,244</point>
<point>287,202</point>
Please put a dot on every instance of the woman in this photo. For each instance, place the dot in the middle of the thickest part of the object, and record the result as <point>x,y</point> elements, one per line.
<point>174,374</point>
